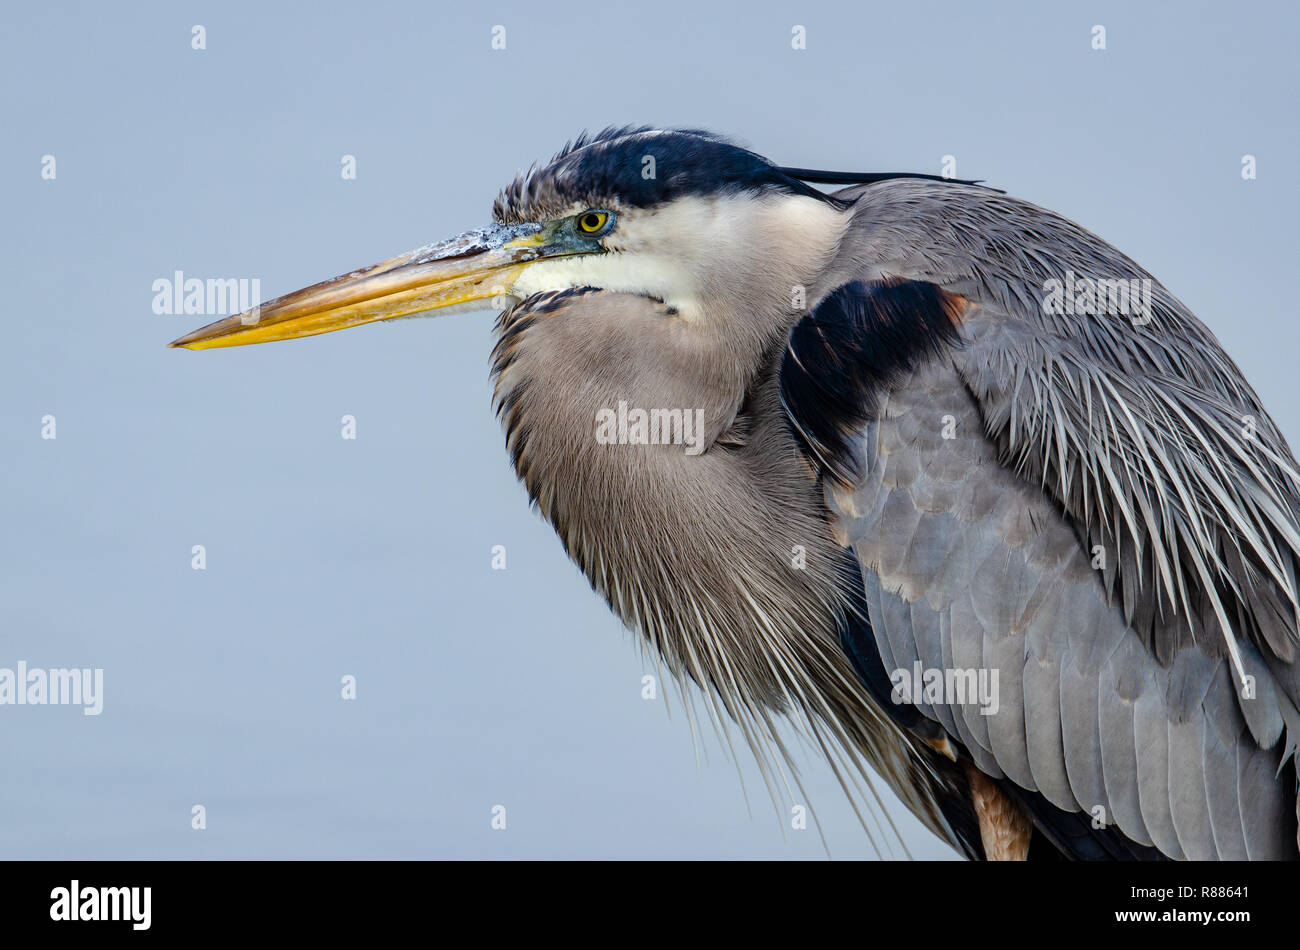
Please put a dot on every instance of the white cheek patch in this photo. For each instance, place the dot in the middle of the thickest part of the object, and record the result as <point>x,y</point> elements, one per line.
<point>632,273</point>
<point>695,249</point>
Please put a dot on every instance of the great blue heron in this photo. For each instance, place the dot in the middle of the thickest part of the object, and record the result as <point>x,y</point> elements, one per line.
<point>853,456</point>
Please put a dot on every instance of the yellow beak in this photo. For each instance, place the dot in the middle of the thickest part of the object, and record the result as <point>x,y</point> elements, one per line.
<point>477,265</point>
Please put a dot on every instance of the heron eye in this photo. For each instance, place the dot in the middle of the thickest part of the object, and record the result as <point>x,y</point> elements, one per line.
<point>589,222</point>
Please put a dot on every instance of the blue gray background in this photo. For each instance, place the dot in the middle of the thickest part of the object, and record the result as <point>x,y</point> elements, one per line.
<point>372,557</point>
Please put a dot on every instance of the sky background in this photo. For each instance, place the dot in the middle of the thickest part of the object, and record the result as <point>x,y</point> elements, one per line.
<point>372,557</point>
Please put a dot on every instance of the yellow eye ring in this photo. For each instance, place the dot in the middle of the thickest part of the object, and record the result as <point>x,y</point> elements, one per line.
<point>590,222</point>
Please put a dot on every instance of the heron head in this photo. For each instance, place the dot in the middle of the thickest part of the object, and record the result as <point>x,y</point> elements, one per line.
<point>683,217</point>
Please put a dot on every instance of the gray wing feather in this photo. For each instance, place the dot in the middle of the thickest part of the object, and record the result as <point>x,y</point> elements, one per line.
<point>966,635</point>
<point>1121,686</point>
<point>1257,769</point>
<point>1187,801</point>
<point>1042,696</point>
<point>1220,771</point>
<point>1078,433</point>
<point>1081,737</point>
<point>982,756</point>
<point>970,567</point>
<point>925,628</point>
<point>879,622</point>
<point>1263,709</point>
<point>1004,651</point>
<point>1151,731</point>
<point>897,615</point>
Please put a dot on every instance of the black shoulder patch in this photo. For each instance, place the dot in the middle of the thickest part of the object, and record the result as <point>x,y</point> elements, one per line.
<point>849,348</point>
